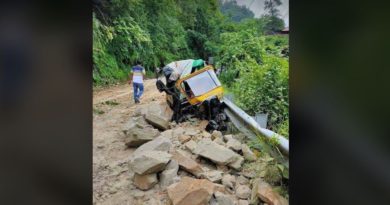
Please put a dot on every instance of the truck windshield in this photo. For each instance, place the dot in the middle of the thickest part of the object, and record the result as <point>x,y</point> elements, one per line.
<point>203,82</point>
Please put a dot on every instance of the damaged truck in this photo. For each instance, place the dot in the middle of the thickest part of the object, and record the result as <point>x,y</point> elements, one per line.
<point>193,90</point>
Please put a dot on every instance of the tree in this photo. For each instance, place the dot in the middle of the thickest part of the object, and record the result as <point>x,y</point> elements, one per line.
<point>234,11</point>
<point>272,16</point>
<point>271,7</point>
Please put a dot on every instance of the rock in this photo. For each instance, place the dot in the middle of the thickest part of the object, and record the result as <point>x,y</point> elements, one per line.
<point>167,133</point>
<point>160,109</point>
<point>219,141</point>
<point>191,191</point>
<point>216,134</point>
<point>206,134</point>
<point>233,144</point>
<point>191,145</point>
<point>213,201</point>
<point>178,131</point>
<point>223,199</point>
<point>160,143</point>
<point>215,152</point>
<point>265,193</point>
<point>149,162</point>
<point>248,154</point>
<point>243,191</point>
<point>191,132</point>
<point>145,182</point>
<point>228,137</point>
<point>222,168</point>
<point>184,138</point>
<point>187,163</point>
<point>152,201</point>
<point>157,121</point>
<point>212,175</point>
<point>237,163</point>
<point>203,124</point>
<point>136,136</point>
<point>169,175</point>
<point>229,181</point>
<point>242,180</point>
<point>243,202</point>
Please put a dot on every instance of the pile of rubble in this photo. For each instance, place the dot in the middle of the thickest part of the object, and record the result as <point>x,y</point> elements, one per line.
<point>192,165</point>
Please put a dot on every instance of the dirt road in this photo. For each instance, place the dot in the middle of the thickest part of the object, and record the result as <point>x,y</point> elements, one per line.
<point>112,108</point>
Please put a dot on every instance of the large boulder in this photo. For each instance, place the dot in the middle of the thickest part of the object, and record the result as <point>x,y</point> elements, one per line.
<point>149,162</point>
<point>138,135</point>
<point>145,182</point>
<point>215,152</point>
<point>162,109</point>
<point>187,163</point>
<point>169,175</point>
<point>160,143</point>
<point>191,191</point>
<point>265,193</point>
<point>157,121</point>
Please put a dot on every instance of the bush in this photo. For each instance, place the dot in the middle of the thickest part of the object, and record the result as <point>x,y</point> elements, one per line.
<point>264,88</point>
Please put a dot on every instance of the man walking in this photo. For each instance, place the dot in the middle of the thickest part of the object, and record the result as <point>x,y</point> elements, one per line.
<point>137,76</point>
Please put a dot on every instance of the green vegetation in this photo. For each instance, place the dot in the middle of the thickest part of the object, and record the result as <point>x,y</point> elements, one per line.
<point>253,60</point>
<point>234,11</point>
<point>156,32</point>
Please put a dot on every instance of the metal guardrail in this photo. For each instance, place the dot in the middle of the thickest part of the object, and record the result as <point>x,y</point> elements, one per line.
<point>243,121</point>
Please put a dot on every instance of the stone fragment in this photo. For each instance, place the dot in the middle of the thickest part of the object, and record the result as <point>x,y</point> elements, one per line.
<point>248,154</point>
<point>233,144</point>
<point>136,136</point>
<point>206,134</point>
<point>177,132</point>
<point>169,175</point>
<point>212,175</point>
<point>242,180</point>
<point>243,191</point>
<point>219,141</point>
<point>184,138</point>
<point>145,182</point>
<point>237,163</point>
<point>229,181</point>
<point>191,191</point>
<point>191,145</point>
<point>157,121</point>
<point>216,134</point>
<point>243,202</point>
<point>160,143</point>
<point>187,163</point>
<point>215,152</point>
<point>167,133</point>
<point>191,132</point>
<point>148,162</point>
<point>227,137</point>
<point>265,193</point>
<point>152,201</point>
<point>223,199</point>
